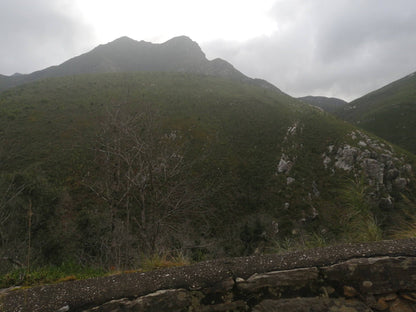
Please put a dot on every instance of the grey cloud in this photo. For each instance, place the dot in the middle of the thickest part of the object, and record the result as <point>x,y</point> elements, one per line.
<point>342,48</point>
<point>38,33</point>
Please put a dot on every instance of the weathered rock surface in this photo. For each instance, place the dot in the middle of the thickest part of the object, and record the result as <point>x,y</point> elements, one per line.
<point>163,300</point>
<point>311,304</point>
<point>363,277</point>
<point>374,276</point>
<point>383,171</point>
<point>296,278</point>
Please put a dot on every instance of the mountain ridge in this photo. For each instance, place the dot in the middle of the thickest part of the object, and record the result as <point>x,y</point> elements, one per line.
<point>389,112</point>
<point>179,54</point>
<point>197,159</point>
<point>329,104</point>
<point>257,159</point>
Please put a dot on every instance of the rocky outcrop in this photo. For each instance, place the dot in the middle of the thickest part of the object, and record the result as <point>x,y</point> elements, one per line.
<point>356,160</point>
<point>374,159</point>
<point>382,168</point>
<point>364,277</point>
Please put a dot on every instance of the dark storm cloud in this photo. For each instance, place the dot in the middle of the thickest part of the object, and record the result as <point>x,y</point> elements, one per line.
<point>38,33</point>
<point>342,48</point>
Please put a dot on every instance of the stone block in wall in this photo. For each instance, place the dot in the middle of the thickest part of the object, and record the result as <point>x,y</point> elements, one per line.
<point>173,300</point>
<point>235,306</point>
<point>296,279</point>
<point>218,293</point>
<point>311,304</point>
<point>378,275</point>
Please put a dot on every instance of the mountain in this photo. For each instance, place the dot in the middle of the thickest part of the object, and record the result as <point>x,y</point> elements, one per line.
<point>328,104</point>
<point>179,54</point>
<point>109,168</point>
<point>237,167</point>
<point>389,112</point>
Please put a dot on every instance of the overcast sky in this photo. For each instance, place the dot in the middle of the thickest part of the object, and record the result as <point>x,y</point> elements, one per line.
<point>341,48</point>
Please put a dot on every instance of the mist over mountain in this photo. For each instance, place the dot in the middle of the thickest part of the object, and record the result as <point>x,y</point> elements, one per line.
<point>328,104</point>
<point>179,54</point>
<point>389,112</point>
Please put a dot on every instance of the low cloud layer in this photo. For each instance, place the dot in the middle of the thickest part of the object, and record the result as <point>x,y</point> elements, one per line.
<point>337,48</point>
<point>341,48</point>
<point>39,33</point>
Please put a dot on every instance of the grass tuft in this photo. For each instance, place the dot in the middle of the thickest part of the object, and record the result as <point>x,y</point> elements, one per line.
<point>157,261</point>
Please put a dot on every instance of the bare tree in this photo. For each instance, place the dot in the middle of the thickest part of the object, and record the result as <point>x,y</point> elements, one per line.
<point>9,191</point>
<point>144,181</point>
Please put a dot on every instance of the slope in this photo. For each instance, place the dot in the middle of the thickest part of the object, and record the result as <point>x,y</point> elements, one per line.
<point>330,105</point>
<point>389,112</point>
<point>210,167</point>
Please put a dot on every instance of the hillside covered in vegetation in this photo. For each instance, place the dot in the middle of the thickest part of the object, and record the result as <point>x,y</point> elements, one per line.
<point>329,104</point>
<point>389,112</point>
<point>104,169</point>
<point>108,169</point>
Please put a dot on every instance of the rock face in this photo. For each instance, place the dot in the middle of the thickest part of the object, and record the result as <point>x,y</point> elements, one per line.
<point>311,304</point>
<point>355,162</point>
<point>354,278</point>
<point>377,162</point>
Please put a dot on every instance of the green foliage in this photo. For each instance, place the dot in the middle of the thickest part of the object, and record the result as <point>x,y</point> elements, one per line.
<point>406,224</point>
<point>330,105</point>
<point>308,241</point>
<point>160,261</point>
<point>89,205</point>
<point>49,274</point>
<point>389,112</point>
<point>358,223</point>
<point>253,236</point>
<point>406,229</point>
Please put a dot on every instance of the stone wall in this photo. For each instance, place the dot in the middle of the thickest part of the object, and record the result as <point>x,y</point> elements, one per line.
<point>363,277</point>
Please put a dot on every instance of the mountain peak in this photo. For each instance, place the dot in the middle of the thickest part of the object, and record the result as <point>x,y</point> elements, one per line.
<point>179,54</point>
<point>186,45</point>
<point>181,40</point>
<point>123,39</point>
<point>120,42</point>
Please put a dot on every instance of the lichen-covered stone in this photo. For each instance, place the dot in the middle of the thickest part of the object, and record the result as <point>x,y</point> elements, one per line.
<point>346,157</point>
<point>374,170</point>
<point>285,164</point>
<point>290,180</point>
